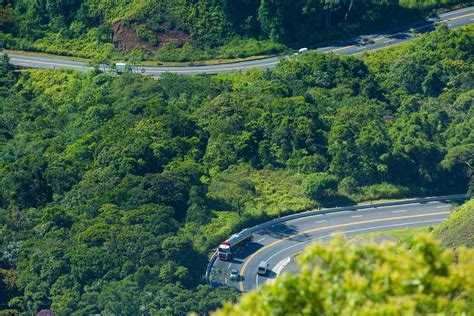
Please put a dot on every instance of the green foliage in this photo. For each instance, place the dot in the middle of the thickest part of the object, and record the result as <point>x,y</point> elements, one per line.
<point>7,76</point>
<point>457,230</point>
<point>234,48</point>
<point>347,278</point>
<point>349,186</point>
<point>116,188</point>
<point>404,235</point>
<point>384,190</point>
<point>318,185</point>
<point>146,34</point>
<point>212,29</point>
<point>233,186</point>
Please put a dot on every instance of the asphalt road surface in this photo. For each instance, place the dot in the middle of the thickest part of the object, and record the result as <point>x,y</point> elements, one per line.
<point>279,244</point>
<point>355,46</point>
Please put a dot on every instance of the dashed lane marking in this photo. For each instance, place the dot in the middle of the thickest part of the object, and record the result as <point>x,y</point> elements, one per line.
<point>246,263</point>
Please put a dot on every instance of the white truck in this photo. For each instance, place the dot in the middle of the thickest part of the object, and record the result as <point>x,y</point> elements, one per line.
<point>228,247</point>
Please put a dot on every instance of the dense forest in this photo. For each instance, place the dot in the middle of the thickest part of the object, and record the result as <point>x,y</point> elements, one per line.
<point>114,189</point>
<point>190,30</point>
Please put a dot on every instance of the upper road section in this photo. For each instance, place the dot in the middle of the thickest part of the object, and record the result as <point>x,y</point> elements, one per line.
<point>354,46</point>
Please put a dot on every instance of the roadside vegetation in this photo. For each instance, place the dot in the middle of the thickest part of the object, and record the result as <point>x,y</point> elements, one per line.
<point>404,235</point>
<point>190,31</point>
<point>114,189</point>
<point>342,278</point>
<point>458,230</point>
<point>455,232</point>
<point>368,274</point>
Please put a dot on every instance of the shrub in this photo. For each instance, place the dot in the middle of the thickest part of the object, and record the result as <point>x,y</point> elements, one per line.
<point>349,186</point>
<point>384,191</point>
<point>146,34</point>
<point>319,184</point>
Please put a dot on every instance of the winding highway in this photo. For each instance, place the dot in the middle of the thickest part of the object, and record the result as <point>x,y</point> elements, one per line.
<point>279,243</point>
<point>354,46</point>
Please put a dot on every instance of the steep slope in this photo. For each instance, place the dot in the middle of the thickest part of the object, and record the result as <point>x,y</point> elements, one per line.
<point>458,230</point>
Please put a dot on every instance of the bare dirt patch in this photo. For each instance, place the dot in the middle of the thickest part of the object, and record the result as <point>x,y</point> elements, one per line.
<point>125,37</point>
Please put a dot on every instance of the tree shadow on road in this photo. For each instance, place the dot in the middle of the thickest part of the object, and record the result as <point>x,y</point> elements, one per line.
<point>279,231</point>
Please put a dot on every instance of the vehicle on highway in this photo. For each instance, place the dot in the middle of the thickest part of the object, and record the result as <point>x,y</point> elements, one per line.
<point>262,268</point>
<point>302,50</point>
<point>228,247</point>
<point>234,275</point>
<point>365,41</point>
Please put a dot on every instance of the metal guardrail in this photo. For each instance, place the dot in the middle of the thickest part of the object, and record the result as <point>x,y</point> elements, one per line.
<point>210,265</point>
<point>341,209</point>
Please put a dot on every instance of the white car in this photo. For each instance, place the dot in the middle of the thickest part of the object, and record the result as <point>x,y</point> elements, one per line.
<point>234,274</point>
<point>302,50</point>
<point>262,268</point>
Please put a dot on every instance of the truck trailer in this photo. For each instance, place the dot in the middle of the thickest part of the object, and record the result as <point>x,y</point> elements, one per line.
<point>228,247</point>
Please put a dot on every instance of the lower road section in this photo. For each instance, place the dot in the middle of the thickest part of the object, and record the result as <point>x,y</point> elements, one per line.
<point>278,244</point>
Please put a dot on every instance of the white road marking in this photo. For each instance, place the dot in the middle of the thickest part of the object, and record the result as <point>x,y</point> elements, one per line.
<point>360,48</point>
<point>443,206</point>
<point>401,211</point>
<point>471,19</point>
<point>356,216</point>
<point>389,41</point>
<point>225,280</point>
<point>346,232</point>
<point>417,203</point>
<point>455,12</point>
<point>279,267</point>
<point>228,267</point>
<point>320,221</point>
<point>353,231</point>
<point>261,239</point>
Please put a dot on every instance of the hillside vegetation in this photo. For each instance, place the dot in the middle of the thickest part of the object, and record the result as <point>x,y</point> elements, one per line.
<point>185,30</point>
<point>458,230</point>
<point>114,189</point>
<point>343,278</point>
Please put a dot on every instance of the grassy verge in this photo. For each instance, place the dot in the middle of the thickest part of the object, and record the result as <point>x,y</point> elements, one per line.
<point>400,235</point>
<point>458,230</point>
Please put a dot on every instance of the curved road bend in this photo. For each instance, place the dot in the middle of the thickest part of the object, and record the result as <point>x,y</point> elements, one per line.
<point>381,40</point>
<point>278,244</point>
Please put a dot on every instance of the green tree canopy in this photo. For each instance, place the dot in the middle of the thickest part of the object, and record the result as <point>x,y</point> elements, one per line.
<point>318,185</point>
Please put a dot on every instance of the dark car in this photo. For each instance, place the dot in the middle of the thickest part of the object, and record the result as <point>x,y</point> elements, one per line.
<point>365,41</point>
